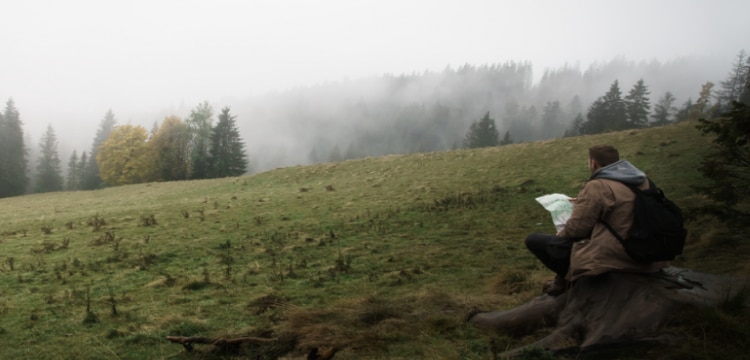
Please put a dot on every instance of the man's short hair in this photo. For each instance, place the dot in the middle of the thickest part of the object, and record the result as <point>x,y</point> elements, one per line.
<point>604,154</point>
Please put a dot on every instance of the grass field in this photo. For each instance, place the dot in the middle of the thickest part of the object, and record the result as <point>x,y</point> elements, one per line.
<point>378,257</point>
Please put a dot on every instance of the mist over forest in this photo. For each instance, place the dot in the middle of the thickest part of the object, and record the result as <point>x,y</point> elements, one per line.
<point>432,110</point>
<point>408,113</point>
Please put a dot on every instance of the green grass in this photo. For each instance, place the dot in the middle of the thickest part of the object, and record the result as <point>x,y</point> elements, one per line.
<point>380,257</point>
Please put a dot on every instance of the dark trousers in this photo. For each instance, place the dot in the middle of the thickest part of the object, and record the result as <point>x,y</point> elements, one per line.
<point>553,251</point>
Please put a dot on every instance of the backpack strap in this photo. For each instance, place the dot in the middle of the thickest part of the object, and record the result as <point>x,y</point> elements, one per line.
<point>635,189</point>
<point>609,227</point>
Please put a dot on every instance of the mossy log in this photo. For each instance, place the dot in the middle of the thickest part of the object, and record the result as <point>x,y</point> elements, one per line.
<point>611,309</point>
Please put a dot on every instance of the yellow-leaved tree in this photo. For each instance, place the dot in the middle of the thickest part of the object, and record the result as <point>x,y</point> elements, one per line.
<point>171,149</point>
<point>124,157</point>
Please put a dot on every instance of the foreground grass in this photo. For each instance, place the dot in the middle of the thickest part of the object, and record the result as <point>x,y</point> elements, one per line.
<point>378,257</point>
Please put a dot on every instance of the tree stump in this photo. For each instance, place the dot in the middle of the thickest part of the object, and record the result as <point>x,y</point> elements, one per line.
<point>611,309</point>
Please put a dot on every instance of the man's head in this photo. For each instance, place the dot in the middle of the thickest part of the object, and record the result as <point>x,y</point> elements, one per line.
<point>602,155</point>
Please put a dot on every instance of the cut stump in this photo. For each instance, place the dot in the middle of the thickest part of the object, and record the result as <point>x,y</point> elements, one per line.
<point>611,309</point>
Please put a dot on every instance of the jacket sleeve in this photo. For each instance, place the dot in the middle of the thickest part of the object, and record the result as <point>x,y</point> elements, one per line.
<point>594,199</point>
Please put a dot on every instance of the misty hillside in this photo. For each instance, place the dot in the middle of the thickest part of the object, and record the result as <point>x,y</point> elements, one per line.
<point>432,111</point>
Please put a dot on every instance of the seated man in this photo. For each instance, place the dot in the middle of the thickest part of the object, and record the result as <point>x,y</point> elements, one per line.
<point>585,247</point>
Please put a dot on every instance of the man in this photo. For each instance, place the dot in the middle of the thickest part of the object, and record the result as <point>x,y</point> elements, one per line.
<point>585,247</point>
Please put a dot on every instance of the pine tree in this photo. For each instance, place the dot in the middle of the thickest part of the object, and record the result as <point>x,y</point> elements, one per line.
<point>573,110</point>
<point>664,110</point>
<point>703,104</point>
<point>684,112</point>
<point>335,154</point>
<point>576,128</point>
<point>638,105</point>
<point>607,113</point>
<point>482,133</point>
<point>48,177</point>
<point>552,120</point>
<point>313,156</point>
<point>13,179</point>
<point>81,169</point>
<point>91,179</point>
<point>507,140</point>
<point>745,97</point>
<point>731,89</point>
<point>72,179</point>
<point>727,165</point>
<point>199,124</point>
<point>227,148</point>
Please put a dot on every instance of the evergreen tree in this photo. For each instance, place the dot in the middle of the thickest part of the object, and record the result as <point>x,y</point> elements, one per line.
<point>199,124</point>
<point>48,177</point>
<point>507,140</point>
<point>727,166</point>
<point>572,110</point>
<point>663,110</point>
<point>607,113</point>
<point>638,105</point>
<point>13,179</point>
<point>313,156</point>
<point>552,120</point>
<point>91,179</point>
<point>335,155</point>
<point>731,88</point>
<point>81,169</point>
<point>745,97</point>
<point>227,148</point>
<point>482,133</point>
<point>576,129</point>
<point>702,105</point>
<point>683,113</point>
<point>72,180</point>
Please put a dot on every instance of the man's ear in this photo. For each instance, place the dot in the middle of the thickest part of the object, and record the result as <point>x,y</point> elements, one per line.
<point>593,165</point>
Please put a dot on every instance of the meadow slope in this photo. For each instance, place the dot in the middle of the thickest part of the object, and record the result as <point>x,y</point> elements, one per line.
<point>378,257</point>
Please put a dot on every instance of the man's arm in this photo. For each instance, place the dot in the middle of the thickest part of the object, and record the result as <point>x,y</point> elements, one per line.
<point>589,206</point>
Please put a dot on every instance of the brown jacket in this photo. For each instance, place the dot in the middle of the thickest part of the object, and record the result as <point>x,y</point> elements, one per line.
<point>596,250</point>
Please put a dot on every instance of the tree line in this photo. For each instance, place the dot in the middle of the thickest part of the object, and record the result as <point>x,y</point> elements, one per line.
<point>615,112</point>
<point>176,149</point>
<point>433,111</point>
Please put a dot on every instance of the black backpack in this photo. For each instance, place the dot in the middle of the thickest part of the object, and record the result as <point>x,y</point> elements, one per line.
<point>658,231</point>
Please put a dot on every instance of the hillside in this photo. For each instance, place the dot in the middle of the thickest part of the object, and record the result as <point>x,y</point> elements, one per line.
<point>379,257</point>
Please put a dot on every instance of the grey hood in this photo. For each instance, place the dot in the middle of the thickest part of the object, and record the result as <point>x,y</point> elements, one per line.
<point>622,171</point>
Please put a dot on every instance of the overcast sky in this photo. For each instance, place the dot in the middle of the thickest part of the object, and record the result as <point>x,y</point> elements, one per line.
<point>68,62</point>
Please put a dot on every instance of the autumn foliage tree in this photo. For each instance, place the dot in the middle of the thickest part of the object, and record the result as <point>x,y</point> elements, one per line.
<point>170,147</point>
<point>124,157</point>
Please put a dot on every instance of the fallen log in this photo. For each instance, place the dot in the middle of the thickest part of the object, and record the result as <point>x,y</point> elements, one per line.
<point>611,309</point>
<point>188,341</point>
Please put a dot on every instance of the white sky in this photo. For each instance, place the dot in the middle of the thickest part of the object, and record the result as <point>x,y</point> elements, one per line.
<point>68,62</point>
